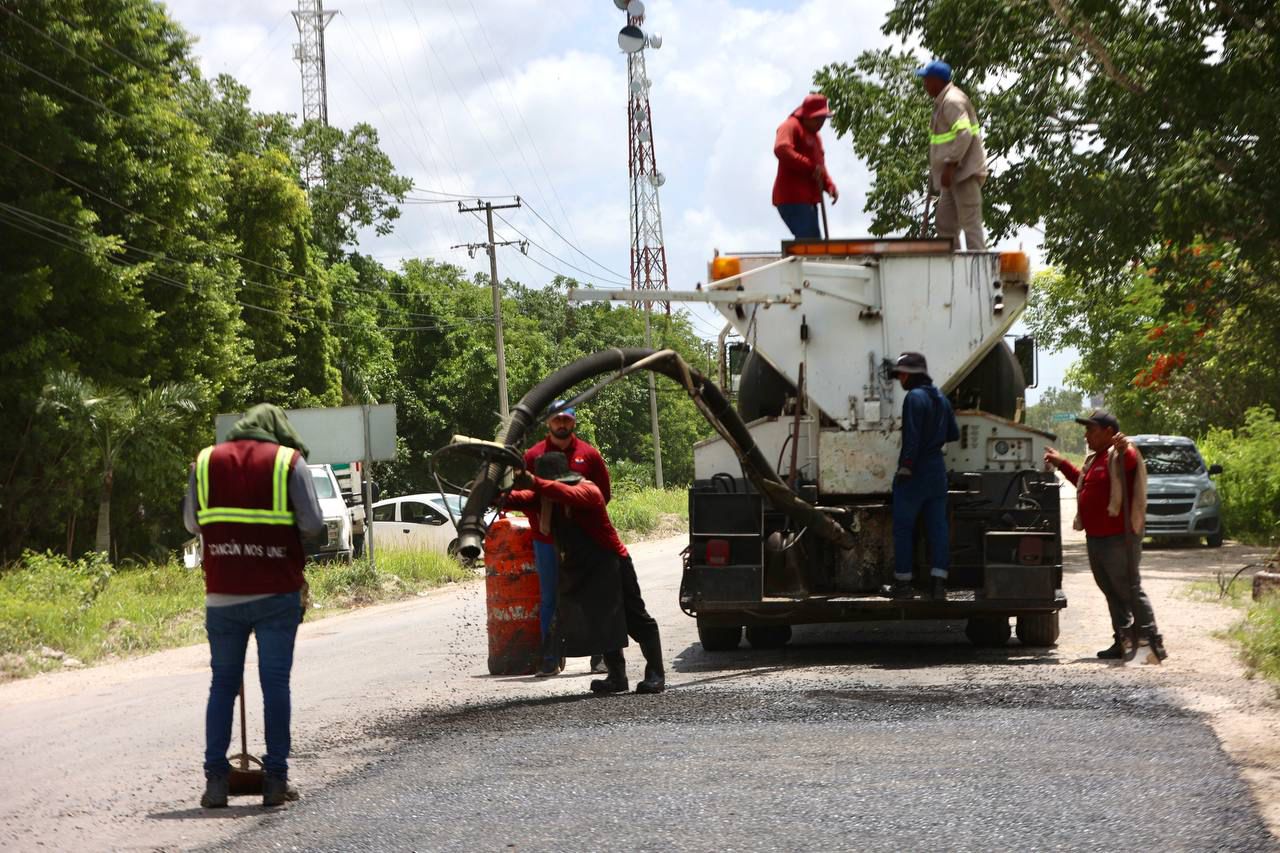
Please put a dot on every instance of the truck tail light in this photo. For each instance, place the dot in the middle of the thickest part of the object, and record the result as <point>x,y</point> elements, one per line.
<point>717,552</point>
<point>1030,551</point>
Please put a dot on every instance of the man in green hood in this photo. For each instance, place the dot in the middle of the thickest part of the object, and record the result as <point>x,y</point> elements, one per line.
<point>251,500</point>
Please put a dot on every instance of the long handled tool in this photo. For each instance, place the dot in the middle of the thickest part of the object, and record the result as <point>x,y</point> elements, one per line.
<point>1138,651</point>
<point>245,778</point>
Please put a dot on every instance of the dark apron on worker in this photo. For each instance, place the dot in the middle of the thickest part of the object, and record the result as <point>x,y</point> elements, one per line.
<point>589,616</point>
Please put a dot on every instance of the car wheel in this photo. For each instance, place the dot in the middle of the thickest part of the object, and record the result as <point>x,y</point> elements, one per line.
<point>719,638</point>
<point>1214,541</point>
<point>768,636</point>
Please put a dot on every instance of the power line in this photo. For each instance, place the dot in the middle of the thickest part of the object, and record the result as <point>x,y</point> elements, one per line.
<point>570,244</point>
<point>594,276</point>
<point>63,241</point>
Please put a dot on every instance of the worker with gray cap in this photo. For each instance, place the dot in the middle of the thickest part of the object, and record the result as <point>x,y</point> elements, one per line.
<point>1113,520</point>
<point>957,159</point>
<point>920,486</point>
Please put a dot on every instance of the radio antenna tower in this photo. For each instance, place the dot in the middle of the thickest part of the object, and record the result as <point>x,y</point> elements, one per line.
<point>311,19</point>
<point>648,254</point>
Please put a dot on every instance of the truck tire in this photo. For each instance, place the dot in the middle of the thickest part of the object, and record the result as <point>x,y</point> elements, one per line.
<point>1214,540</point>
<point>719,638</point>
<point>1038,629</point>
<point>768,636</point>
<point>987,632</point>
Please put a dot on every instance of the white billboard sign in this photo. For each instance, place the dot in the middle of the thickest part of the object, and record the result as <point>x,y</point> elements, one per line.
<point>337,434</point>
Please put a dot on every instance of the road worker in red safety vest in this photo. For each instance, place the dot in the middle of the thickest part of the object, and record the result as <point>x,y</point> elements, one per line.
<point>957,158</point>
<point>251,500</point>
<point>599,602</point>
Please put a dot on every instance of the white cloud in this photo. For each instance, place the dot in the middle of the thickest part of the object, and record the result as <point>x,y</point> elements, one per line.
<point>438,81</point>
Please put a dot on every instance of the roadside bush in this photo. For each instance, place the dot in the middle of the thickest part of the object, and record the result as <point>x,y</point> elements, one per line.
<point>641,512</point>
<point>628,478</point>
<point>1249,485</point>
<point>1259,637</point>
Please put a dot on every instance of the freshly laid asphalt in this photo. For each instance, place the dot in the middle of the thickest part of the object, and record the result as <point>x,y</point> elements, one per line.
<point>708,768</point>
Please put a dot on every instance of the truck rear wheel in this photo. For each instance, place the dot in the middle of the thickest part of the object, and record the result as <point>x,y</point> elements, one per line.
<point>1038,629</point>
<point>768,636</point>
<point>987,631</point>
<point>719,638</point>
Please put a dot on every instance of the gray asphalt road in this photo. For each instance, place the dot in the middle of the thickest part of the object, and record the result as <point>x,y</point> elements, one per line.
<point>703,768</point>
<point>897,736</point>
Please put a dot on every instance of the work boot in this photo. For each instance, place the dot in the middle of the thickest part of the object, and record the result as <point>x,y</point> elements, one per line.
<point>548,668</point>
<point>899,589</point>
<point>1115,651</point>
<point>216,789</point>
<point>655,676</point>
<point>597,664</point>
<point>1157,645</point>
<point>276,791</point>
<point>938,588</point>
<point>616,682</point>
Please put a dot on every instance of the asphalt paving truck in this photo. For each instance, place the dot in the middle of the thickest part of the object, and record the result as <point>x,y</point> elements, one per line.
<point>790,514</point>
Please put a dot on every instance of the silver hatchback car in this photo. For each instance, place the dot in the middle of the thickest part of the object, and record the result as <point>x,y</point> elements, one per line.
<point>1182,502</point>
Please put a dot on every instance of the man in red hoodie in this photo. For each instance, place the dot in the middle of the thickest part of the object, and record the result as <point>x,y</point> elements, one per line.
<point>1113,522</point>
<point>802,168</point>
<point>587,461</point>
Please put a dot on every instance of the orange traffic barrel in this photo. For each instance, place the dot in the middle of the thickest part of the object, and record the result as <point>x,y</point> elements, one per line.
<point>512,598</point>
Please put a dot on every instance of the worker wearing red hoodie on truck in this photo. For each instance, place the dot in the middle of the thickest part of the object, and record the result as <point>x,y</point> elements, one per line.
<point>802,168</point>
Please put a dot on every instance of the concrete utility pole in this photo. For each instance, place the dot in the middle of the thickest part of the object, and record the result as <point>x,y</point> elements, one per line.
<point>311,18</point>
<point>491,247</point>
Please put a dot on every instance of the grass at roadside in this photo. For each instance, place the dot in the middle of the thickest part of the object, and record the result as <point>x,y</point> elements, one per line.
<point>1257,632</point>
<point>650,512</point>
<point>57,613</point>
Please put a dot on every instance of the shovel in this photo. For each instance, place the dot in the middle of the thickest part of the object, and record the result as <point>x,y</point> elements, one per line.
<point>246,770</point>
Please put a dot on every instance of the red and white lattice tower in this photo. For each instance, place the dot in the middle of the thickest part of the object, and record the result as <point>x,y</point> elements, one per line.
<point>648,254</point>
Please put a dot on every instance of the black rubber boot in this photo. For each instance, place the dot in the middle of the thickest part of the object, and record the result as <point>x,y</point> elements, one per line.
<point>616,682</point>
<point>1115,651</point>
<point>597,664</point>
<point>938,588</point>
<point>655,675</point>
<point>216,789</point>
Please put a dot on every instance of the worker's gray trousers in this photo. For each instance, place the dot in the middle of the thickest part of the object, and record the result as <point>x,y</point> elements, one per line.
<point>960,210</point>
<point>1121,583</point>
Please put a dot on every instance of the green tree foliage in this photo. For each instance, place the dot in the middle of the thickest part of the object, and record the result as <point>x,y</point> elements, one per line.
<point>1249,484</point>
<point>159,241</point>
<point>1109,125</point>
<point>1059,401</point>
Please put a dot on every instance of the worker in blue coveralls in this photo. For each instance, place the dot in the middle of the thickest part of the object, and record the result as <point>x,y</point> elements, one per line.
<point>920,485</point>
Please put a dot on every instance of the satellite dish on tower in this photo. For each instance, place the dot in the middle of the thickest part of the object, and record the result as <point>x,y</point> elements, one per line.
<point>621,4</point>
<point>635,9</point>
<point>631,39</point>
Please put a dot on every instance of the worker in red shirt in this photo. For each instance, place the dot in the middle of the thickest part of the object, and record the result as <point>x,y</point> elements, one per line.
<point>1113,521</point>
<point>587,461</point>
<point>599,601</point>
<point>802,168</point>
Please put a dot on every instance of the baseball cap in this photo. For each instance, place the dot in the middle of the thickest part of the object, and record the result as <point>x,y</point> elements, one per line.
<point>1102,418</point>
<point>568,413</point>
<point>936,68</point>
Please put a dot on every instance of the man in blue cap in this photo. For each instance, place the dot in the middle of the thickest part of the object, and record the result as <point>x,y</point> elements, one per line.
<point>585,460</point>
<point>957,160</point>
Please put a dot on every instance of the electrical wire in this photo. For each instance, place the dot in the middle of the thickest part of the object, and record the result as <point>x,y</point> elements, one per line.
<point>32,224</point>
<point>594,276</point>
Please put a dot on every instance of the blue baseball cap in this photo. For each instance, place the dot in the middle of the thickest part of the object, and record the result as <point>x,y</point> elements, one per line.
<point>568,413</point>
<point>936,68</point>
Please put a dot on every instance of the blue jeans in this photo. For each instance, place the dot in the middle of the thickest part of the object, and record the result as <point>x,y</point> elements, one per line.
<point>274,621</point>
<point>925,492</point>
<point>802,219</point>
<point>547,559</point>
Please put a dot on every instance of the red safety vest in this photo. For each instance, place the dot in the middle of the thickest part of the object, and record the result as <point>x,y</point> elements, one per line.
<point>250,540</point>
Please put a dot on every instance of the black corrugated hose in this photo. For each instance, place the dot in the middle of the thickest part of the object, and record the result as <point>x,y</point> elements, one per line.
<point>709,399</point>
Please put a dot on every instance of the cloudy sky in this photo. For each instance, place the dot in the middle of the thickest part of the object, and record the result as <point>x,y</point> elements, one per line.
<point>528,97</point>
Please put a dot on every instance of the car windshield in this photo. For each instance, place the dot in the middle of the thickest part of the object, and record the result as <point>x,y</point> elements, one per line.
<point>1171,459</point>
<point>323,484</point>
<point>454,501</point>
